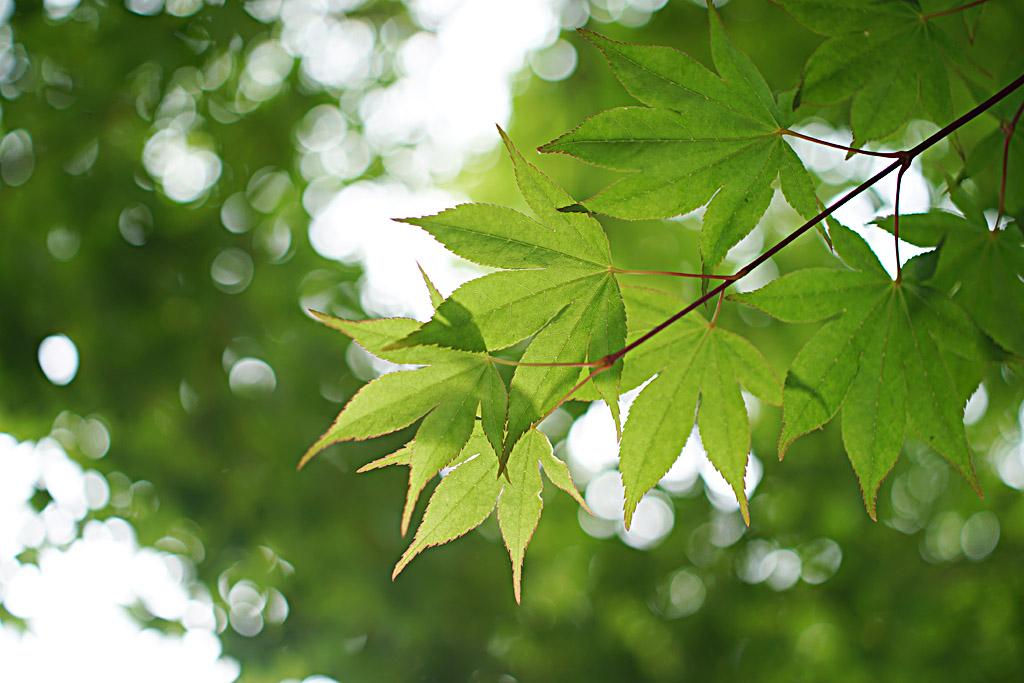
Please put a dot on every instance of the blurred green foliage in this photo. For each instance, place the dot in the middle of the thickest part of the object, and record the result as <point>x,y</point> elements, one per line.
<point>155,334</point>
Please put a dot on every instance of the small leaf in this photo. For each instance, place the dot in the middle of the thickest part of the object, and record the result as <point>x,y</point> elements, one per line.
<point>520,504</point>
<point>659,423</point>
<point>821,373</point>
<point>809,295</point>
<point>975,262</point>
<point>705,139</point>
<point>723,422</point>
<point>854,251</point>
<point>461,502</point>
<point>448,395</point>
<point>396,400</point>
<point>558,474</point>
<point>899,358</point>
<point>883,105</point>
<point>442,434</point>
<point>707,363</point>
<point>874,417</point>
<point>376,334</point>
<point>885,56</point>
<point>564,295</point>
<point>402,456</point>
<point>500,237</point>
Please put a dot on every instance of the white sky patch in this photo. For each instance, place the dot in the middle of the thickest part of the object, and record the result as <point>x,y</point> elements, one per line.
<point>356,227</point>
<point>74,600</point>
<point>454,85</point>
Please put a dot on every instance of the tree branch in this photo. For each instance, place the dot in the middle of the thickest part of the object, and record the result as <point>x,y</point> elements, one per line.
<point>902,162</point>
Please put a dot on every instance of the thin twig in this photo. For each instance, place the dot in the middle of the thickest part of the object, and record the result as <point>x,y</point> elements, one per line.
<point>896,218</point>
<point>952,10</point>
<point>1007,137</point>
<point>671,273</point>
<point>833,145</point>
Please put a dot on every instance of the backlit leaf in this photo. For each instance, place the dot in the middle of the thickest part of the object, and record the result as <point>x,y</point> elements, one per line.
<point>884,359</point>
<point>704,136</point>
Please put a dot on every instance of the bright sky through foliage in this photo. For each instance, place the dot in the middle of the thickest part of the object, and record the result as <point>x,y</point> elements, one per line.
<point>249,165</point>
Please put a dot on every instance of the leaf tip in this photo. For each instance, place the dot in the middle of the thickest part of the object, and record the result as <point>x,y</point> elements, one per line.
<point>517,584</point>
<point>510,146</point>
<point>972,479</point>
<point>784,444</point>
<point>629,507</point>
<point>400,565</point>
<point>870,496</point>
<point>745,510</point>
<point>321,443</point>
<point>410,506</point>
<point>320,316</point>
<point>503,470</point>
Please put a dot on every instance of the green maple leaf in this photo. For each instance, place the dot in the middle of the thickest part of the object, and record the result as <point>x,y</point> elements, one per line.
<point>448,393</point>
<point>467,495</point>
<point>884,55</point>
<point>562,291</point>
<point>985,266</point>
<point>697,363</point>
<point>703,136</point>
<point>899,359</point>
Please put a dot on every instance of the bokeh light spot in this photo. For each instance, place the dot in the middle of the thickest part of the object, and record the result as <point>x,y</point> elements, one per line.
<point>980,535</point>
<point>251,376</point>
<point>232,270</point>
<point>58,358</point>
<point>554,63</point>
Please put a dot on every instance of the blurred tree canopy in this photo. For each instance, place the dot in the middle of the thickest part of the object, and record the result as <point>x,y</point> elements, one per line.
<point>161,165</point>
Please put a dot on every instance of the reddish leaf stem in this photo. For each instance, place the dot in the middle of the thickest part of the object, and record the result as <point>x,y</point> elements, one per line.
<point>517,363</point>
<point>671,273</point>
<point>1008,129</point>
<point>833,145</point>
<point>718,308</point>
<point>952,10</point>
<point>605,365</point>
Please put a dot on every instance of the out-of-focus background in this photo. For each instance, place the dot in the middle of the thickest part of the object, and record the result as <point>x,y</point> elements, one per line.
<point>180,180</point>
